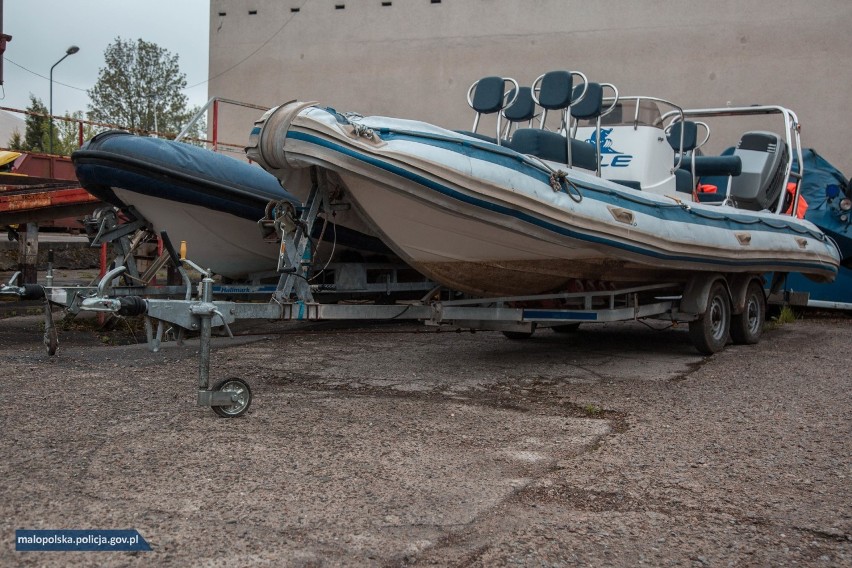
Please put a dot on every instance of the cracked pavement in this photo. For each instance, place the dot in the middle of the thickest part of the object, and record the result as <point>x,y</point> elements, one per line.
<point>392,445</point>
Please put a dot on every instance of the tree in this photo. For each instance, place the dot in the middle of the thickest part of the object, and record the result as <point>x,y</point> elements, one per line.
<point>16,142</point>
<point>139,85</point>
<point>37,133</point>
<point>66,133</point>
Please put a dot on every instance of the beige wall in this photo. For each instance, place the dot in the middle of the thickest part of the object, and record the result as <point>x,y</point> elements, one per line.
<point>415,59</point>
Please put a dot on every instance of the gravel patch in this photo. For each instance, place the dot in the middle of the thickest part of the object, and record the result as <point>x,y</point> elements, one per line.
<point>387,445</point>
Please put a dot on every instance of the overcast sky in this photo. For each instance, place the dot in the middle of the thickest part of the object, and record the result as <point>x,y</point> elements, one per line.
<point>42,30</point>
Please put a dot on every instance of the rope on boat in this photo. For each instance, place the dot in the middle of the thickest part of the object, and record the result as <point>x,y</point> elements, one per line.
<point>333,246</point>
<point>559,182</point>
<point>363,131</point>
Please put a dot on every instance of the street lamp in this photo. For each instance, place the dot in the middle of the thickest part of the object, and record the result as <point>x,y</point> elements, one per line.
<point>70,51</point>
<point>156,98</point>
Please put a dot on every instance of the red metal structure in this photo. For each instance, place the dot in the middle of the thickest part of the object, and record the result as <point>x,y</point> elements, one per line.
<point>42,187</point>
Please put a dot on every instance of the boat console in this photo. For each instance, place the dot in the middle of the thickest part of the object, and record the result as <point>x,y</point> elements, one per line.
<point>762,179</point>
<point>759,169</point>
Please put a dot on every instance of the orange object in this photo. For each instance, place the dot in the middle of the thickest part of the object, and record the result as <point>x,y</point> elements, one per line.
<point>803,205</point>
<point>702,189</point>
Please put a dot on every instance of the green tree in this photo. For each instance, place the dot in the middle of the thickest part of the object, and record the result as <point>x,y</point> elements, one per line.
<point>66,133</point>
<point>16,142</point>
<point>140,84</point>
<point>37,133</point>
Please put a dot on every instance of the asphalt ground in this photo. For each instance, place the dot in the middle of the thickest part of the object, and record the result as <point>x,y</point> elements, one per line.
<point>387,445</point>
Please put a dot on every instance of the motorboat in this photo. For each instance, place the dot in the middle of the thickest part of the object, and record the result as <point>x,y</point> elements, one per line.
<point>533,209</point>
<point>210,200</point>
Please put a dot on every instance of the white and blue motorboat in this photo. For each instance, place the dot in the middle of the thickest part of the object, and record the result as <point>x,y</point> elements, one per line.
<point>531,211</point>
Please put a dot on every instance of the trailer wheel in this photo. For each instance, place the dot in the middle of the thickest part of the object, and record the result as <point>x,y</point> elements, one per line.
<point>566,328</point>
<point>747,327</point>
<point>239,389</point>
<point>709,333</point>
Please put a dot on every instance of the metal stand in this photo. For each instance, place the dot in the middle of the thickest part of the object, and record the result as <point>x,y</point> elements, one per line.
<point>294,236</point>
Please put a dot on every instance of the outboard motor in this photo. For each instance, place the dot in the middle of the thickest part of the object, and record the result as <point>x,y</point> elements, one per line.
<point>764,157</point>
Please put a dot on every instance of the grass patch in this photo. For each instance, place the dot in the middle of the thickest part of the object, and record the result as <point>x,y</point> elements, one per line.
<point>786,315</point>
<point>592,410</point>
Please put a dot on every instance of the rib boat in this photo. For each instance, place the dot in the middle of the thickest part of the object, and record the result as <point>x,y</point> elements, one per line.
<point>211,201</point>
<point>530,210</point>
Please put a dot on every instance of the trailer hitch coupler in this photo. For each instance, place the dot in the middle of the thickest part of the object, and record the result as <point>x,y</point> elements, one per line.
<point>132,306</point>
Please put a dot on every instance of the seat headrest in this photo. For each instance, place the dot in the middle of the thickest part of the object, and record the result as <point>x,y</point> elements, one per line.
<point>488,95</point>
<point>592,104</point>
<point>523,109</point>
<point>556,90</point>
<point>690,135</point>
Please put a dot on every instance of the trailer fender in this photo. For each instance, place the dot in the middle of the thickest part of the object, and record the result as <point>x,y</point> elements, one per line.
<point>738,288</point>
<point>694,299</point>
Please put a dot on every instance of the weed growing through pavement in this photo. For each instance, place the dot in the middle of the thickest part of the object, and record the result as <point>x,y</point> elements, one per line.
<point>592,410</point>
<point>785,316</point>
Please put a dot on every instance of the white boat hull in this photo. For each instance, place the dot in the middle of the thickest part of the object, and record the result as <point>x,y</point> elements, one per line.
<point>485,220</point>
<point>234,246</point>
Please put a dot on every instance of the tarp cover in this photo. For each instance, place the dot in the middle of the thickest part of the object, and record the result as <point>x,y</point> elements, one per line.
<point>174,171</point>
<point>819,175</point>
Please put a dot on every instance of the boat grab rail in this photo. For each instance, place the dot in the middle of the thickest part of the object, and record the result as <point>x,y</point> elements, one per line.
<point>677,113</point>
<point>505,103</point>
<point>692,159</point>
<point>598,118</point>
<point>792,131</point>
<point>614,98</point>
<point>704,125</point>
<point>536,90</point>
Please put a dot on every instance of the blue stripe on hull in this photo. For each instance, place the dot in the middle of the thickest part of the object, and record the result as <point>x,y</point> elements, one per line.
<point>520,215</point>
<point>512,160</point>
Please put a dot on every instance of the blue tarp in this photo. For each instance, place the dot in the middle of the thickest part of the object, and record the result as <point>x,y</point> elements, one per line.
<point>826,214</point>
<point>176,172</point>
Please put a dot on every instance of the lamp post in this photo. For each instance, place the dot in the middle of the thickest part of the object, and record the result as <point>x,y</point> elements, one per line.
<point>70,51</point>
<point>156,98</point>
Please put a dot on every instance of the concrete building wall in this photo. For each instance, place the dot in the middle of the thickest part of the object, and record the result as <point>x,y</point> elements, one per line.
<point>417,58</point>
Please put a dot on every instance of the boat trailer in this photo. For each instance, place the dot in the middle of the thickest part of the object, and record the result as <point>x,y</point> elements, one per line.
<point>716,306</point>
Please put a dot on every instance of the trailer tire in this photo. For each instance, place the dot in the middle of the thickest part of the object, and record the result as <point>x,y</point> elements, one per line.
<point>241,391</point>
<point>709,333</point>
<point>747,327</point>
